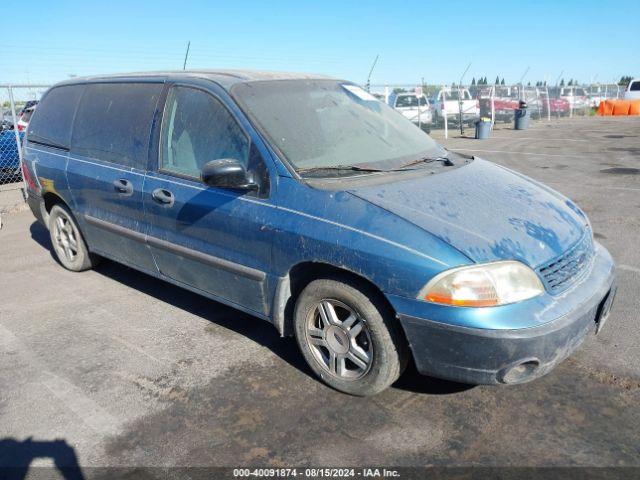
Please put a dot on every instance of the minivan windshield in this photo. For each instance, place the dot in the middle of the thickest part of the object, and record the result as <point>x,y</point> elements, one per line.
<point>328,123</point>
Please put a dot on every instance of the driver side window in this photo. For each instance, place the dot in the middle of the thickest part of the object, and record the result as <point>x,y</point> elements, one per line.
<point>198,128</point>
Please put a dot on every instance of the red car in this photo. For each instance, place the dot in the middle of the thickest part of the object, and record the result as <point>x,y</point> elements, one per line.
<point>503,103</point>
<point>557,106</point>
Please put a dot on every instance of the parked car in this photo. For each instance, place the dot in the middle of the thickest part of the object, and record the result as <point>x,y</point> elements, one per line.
<point>453,101</point>
<point>28,105</point>
<point>9,158</point>
<point>306,202</point>
<point>505,101</point>
<point>576,96</point>
<point>25,117</point>
<point>6,120</point>
<point>407,104</point>
<point>557,106</point>
<point>633,90</point>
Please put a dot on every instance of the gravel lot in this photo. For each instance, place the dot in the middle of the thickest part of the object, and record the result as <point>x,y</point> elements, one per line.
<point>123,369</point>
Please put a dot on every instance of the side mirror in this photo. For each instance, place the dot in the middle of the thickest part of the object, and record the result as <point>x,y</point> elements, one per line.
<point>227,173</point>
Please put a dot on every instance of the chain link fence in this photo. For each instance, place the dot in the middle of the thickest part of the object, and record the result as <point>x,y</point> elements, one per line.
<point>454,107</point>
<point>17,104</point>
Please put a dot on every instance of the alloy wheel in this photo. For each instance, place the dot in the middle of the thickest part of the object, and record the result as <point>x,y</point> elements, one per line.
<point>339,340</point>
<point>66,237</point>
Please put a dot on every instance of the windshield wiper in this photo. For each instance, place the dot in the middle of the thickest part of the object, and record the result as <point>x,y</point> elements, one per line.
<point>446,161</point>
<point>348,168</point>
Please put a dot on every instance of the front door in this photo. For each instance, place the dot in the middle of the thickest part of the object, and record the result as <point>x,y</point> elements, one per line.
<point>213,239</point>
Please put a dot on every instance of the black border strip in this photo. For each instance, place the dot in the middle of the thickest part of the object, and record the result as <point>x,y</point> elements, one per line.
<point>232,267</point>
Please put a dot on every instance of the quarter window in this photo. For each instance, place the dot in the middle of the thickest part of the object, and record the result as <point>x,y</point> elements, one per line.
<point>113,122</point>
<point>52,119</point>
<point>197,129</point>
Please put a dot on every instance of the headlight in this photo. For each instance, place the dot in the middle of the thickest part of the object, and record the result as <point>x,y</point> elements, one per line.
<point>484,285</point>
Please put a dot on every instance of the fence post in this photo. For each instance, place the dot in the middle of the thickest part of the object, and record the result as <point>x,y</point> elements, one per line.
<point>444,113</point>
<point>570,102</point>
<point>493,105</point>
<point>460,113</point>
<point>17,134</point>
<point>548,104</point>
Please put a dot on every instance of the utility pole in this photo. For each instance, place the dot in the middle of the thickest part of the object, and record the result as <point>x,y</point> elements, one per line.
<point>368,85</point>
<point>186,56</point>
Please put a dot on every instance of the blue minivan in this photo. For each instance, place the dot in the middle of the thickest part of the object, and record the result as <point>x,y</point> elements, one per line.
<point>304,201</point>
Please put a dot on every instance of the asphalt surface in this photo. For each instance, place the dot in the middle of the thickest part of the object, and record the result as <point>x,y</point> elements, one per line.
<point>112,367</point>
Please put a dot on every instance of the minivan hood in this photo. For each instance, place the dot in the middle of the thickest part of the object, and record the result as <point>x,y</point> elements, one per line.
<point>485,211</point>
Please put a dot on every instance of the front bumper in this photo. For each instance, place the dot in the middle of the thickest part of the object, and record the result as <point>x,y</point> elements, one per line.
<point>495,356</point>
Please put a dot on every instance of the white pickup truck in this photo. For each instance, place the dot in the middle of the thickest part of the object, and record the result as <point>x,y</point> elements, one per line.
<point>450,100</point>
<point>633,90</point>
<point>407,105</point>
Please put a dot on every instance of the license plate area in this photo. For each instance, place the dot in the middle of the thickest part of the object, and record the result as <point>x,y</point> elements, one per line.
<point>604,309</point>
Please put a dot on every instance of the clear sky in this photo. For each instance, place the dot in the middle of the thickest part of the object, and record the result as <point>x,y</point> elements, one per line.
<point>432,40</point>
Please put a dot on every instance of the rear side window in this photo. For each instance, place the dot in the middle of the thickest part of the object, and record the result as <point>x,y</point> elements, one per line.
<point>635,86</point>
<point>52,119</point>
<point>113,122</point>
<point>410,101</point>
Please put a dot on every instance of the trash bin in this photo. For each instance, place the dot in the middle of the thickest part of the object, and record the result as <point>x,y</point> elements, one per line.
<point>483,128</point>
<point>521,117</point>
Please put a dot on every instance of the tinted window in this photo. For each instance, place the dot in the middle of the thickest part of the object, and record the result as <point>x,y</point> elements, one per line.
<point>635,86</point>
<point>410,101</point>
<point>51,122</point>
<point>113,122</point>
<point>197,129</point>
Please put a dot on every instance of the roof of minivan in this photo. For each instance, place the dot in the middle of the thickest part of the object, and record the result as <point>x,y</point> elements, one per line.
<point>225,78</point>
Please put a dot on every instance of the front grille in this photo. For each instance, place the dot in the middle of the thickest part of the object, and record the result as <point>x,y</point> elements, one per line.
<point>560,273</point>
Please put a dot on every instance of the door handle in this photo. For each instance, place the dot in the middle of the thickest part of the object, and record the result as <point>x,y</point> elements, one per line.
<point>124,186</point>
<point>162,196</point>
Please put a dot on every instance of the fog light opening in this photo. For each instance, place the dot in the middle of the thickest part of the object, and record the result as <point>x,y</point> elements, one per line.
<point>521,372</point>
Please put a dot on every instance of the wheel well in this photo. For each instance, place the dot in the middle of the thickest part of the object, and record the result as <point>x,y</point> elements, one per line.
<point>304,273</point>
<point>51,199</point>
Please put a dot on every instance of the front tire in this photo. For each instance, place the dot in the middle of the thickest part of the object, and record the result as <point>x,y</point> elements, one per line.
<point>349,337</point>
<point>68,244</point>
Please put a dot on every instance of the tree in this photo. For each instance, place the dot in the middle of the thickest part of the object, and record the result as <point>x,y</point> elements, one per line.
<point>625,80</point>
<point>528,84</point>
<point>473,81</point>
<point>502,83</point>
<point>498,80</point>
<point>562,82</point>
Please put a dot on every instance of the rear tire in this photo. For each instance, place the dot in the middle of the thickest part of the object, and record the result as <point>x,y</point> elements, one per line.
<point>349,337</point>
<point>68,243</point>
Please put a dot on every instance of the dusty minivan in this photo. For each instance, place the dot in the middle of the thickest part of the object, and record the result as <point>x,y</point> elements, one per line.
<point>306,202</point>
